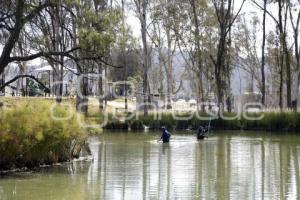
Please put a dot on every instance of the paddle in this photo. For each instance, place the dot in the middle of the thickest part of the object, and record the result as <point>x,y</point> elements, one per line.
<point>209,126</point>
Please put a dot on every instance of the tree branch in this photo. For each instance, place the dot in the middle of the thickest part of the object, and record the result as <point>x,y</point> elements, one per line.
<point>42,54</point>
<point>259,6</point>
<point>213,60</point>
<point>236,15</point>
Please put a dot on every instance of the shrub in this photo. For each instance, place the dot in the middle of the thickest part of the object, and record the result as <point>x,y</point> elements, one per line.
<point>29,136</point>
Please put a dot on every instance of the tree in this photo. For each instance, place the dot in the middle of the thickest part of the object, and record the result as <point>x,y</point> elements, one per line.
<point>16,15</point>
<point>295,22</point>
<point>78,32</point>
<point>273,58</point>
<point>226,18</point>
<point>141,10</point>
<point>281,25</point>
<point>247,45</point>
<point>95,32</point>
<point>195,36</point>
<point>163,37</point>
<point>263,79</point>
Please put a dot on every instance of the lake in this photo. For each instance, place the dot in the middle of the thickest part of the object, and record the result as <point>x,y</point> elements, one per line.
<point>229,165</point>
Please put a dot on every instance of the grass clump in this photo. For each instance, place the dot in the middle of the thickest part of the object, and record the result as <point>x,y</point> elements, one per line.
<point>38,134</point>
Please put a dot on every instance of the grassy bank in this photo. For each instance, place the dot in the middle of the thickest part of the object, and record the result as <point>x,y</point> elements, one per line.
<point>33,134</point>
<point>272,121</point>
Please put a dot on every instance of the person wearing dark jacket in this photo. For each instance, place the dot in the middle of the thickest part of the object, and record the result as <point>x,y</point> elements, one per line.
<point>201,133</point>
<point>165,137</point>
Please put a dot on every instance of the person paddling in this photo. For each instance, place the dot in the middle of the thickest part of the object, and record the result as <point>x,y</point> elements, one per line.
<point>201,132</point>
<point>165,137</point>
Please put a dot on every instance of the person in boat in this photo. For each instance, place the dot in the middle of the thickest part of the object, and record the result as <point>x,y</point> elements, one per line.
<point>202,132</point>
<point>165,137</point>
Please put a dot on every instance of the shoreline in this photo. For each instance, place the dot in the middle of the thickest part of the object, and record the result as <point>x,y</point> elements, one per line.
<point>10,172</point>
<point>271,122</point>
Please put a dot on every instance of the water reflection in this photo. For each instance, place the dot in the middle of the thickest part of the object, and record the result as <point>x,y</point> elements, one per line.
<point>135,166</point>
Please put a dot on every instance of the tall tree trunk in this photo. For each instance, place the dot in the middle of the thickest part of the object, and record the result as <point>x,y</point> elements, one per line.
<point>58,46</point>
<point>263,89</point>
<point>14,36</point>
<point>161,73</point>
<point>199,53</point>
<point>143,19</point>
<point>169,71</point>
<point>219,66</point>
<point>2,81</point>
<point>105,84</point>
<point>227,73</point>
<point>125,85</point>
<point>288,76</point>
<point>82,89</point>
<point>287,59</point>
<point>281,81</point>
<point>124,56</point>
<point>282,22</point>
<point>100,88</point>
<point>82,96</point>
<point>297,92</point>
<point>295,27</point>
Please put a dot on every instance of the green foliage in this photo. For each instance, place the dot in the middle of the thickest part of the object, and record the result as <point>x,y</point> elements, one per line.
<point>97,30</point>
<point>29,136</point>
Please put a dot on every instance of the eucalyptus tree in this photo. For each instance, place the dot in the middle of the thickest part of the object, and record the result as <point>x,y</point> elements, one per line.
<point>247,57</point>
<point>273,58</point>
<point>163,14</point>
<point>281,21</point>
<point>141,9</point>
<point>294,12</point>
<point>195,36</point>
<point>263,79</point>
<point>126,49</point>
<point>263,46</point>
<point>156,35</point>
<point>226,17</point>
<point>94,30</point>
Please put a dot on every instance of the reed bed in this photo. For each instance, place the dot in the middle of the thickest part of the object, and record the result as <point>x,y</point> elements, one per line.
<point>35,133</point>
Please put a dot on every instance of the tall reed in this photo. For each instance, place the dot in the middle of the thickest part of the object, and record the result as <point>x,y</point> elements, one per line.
<point>32,134</point>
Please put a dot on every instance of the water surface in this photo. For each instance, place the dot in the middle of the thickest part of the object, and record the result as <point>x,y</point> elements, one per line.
<point>229,165</point>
